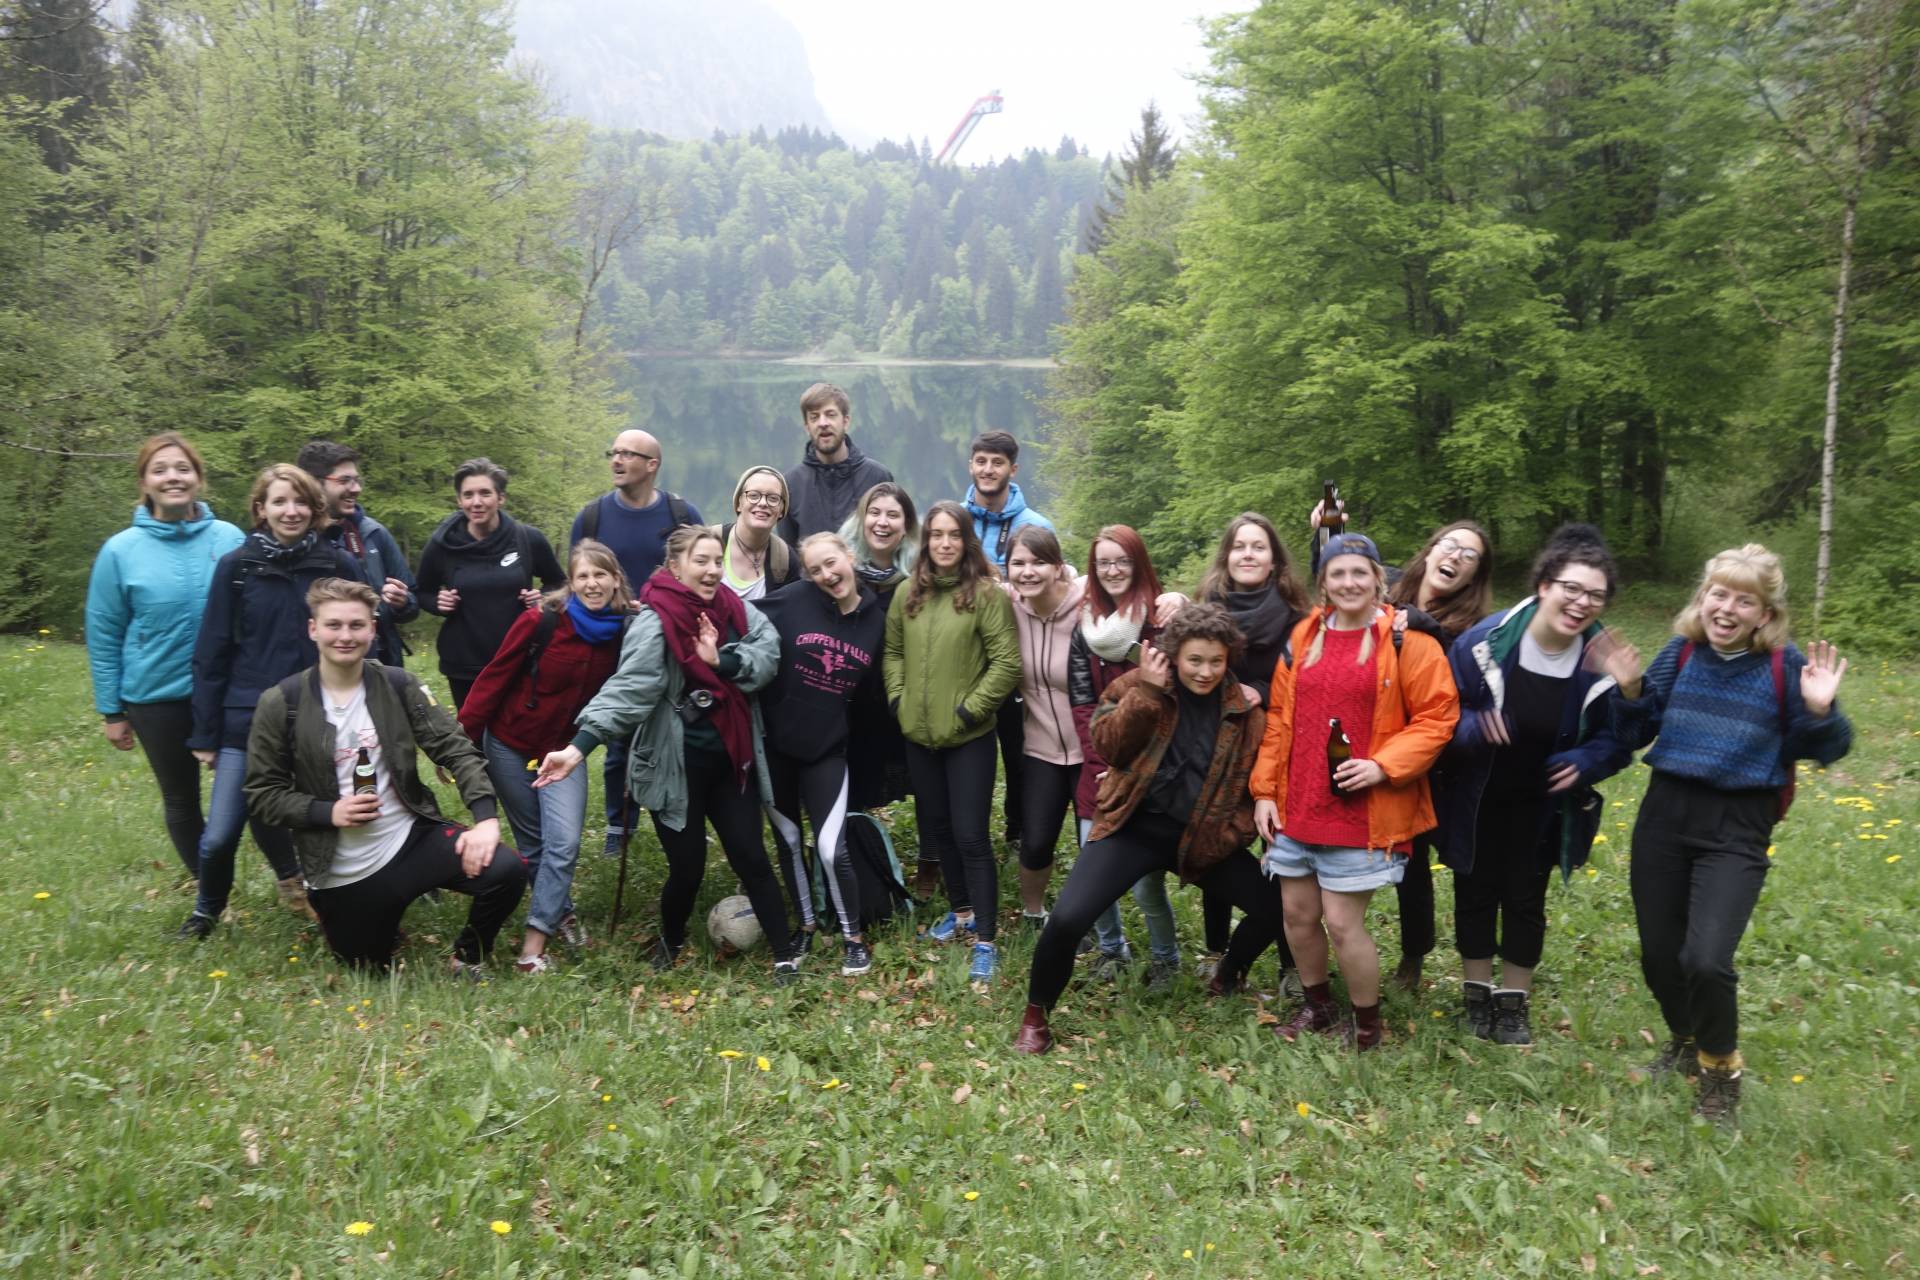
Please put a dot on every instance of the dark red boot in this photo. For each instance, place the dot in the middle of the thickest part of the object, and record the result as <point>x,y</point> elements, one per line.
<point>1314,1015</point>
<point>1033,1036</point>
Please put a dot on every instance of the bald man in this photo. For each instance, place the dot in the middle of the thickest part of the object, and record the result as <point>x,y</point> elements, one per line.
<point>634,520</point>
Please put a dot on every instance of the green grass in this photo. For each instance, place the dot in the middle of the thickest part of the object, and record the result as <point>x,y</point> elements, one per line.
<point>229,1109</point>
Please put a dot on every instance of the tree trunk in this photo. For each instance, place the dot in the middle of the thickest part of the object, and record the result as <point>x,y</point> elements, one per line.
<point>1834,361</point>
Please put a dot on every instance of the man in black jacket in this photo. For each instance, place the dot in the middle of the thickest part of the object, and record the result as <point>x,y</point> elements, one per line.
<point>823,489</point>
<point>331,757</point>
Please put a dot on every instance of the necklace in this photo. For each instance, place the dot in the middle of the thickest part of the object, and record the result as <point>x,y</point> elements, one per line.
<point>755,559</point>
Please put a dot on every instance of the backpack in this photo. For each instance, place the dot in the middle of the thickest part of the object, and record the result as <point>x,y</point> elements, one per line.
<point>678,513</point>
<point>1779,664</point>
<point>876,873</point>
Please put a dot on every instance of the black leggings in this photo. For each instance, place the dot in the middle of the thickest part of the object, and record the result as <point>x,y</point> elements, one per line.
<point>713,796</point>
<point>1415,893</point>
<point>1252,938</point>
<point>952,804</point>
<point>163,729</point>
<point>459,689</point>
<point>361,919</point>
<point>821,786</point>
<point>1699,860</point>
<point>1500,907</point>
<point>1107,868</point>
<point>1045,800</point>
<point>1010,727</point>
<point>1216,920</point>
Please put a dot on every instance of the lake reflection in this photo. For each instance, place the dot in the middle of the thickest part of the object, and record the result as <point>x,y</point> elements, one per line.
<point>716,418</point>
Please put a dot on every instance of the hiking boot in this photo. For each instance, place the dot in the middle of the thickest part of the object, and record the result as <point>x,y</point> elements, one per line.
<point>1510,1017</point>
<point>1407,977</point>
<point>786,972</point>
<point>293,896</point>
<point>664,957</point>
<point>1364,1030</point>
<point>194,928</point>
<point>1719,1095</point>
<point>572,932</point>
<point>1033,1035</point>
<point>1111,967</point>
<point>1680,1057</point>
<point>1477,1008</point>
<point>615,846</point>
<point>1161,975</point>
<point>1323,1019</point>
<point>855,960</point>
<point>951,928</point>
<point>986,959</point>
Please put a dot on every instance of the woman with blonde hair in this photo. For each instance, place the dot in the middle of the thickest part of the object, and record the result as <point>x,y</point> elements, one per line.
<point>527,702</point>
<point>757,559</point>
<point>1729,704</point>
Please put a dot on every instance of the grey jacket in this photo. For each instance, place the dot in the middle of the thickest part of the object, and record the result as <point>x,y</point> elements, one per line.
<point>637,701</point>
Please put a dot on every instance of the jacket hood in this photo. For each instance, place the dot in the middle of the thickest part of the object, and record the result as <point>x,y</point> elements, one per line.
<point>1503,637</point>
<point>454,536</point>
<point>1016,504</point>
<point>853,459</point>
<point>199,522</point>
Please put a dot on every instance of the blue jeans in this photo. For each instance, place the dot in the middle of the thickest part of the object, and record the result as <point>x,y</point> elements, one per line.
<point>546,825</point>
<point>1150,895</point>
<point>220,840</point>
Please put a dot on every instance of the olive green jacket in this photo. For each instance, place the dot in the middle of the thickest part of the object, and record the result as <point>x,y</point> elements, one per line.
<point>947,672</point>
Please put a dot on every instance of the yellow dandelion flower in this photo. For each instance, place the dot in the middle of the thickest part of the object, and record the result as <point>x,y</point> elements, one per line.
<point>971,1196</point>
<point>1592,872</point>
<point>1799,1079</point>
<point>500,1227</point>
<point>1187,1254</point>
<point>1892,858</point>
<point>606,1097</point>
<point>1078,1087</point>
<point>1302,1109</point>
<point>1770,849</point>
<point>613,1128</point>
<point>1439,1013</point>
<point>1208,1246</point>
<point>832,1084</point>
<point>359,1228</point>
<point>217,973</point>
<point>729,1053</point>
<point>763,1064</point>
<point>1600,839</point>
<point>41,896</point>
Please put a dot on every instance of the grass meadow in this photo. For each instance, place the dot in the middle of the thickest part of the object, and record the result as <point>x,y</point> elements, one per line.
<point>244,1108</point>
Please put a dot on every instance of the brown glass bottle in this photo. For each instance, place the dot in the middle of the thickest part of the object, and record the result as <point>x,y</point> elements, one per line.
<point>1332,518</point>
<point>1339,751</point>
<point>364,782</point>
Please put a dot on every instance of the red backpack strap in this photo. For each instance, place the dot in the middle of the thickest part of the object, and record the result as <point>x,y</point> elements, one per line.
<point>1686,651</point>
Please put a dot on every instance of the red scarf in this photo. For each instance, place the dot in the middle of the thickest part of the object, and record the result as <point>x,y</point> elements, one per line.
<point>680,611</point>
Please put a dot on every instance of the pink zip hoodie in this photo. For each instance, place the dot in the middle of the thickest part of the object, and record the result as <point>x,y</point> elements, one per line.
<point>1043,675</point>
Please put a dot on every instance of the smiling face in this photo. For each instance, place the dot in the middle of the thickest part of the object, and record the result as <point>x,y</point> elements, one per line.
<point>885,524</point>
<point>827,428</point>
<point>1731,615</point>
<point>830,569</point>
<point>1030,576</point>
<point>1113,567</point>
<point>592,583</point>
<point>285,512</point>
<point>1352,584</point>
<point>1201,665</point>
<point>991,473</point>
<point>1250,558</point>
<point>698,568</point>
<point>480,503</point>
<point>945,543</point>
<point>762,501</point>
<point>343,489</point>
<point>1576,596</point>
<point>342,630</point>
<point>1452,561</point>
<point>170,482</point>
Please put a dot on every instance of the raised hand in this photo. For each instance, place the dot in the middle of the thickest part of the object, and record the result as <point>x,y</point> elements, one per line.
<point>1155,668</point>
<point>1165,605</point>
<point>1820,678</point>
<point>706,641</point>
<point>1612,654</point>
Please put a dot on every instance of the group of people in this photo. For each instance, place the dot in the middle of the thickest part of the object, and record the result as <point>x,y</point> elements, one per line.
<point>1288,742</point>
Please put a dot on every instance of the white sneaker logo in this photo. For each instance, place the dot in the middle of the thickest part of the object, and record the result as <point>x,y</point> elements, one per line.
<point>509,560</point>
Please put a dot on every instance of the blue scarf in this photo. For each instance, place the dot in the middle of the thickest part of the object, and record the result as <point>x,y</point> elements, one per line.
<point>595,626</point>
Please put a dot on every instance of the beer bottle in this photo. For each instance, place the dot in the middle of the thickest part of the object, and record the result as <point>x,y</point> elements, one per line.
<point>1332,518</point>
<point>1339,751</point>
<point>364,783</point>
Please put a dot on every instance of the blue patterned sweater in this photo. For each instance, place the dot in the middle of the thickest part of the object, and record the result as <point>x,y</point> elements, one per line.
<point>1718,722</point>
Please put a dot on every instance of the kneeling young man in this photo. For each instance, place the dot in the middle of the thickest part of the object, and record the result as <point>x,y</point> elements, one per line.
<point>367,854</point>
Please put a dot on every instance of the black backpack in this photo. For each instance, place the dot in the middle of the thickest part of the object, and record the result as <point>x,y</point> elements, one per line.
<point>678,513</point>
<point>876,871</point>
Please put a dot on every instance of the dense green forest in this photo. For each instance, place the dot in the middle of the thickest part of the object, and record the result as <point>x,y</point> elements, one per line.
<point>795,243</point>
<point>1526,263</point>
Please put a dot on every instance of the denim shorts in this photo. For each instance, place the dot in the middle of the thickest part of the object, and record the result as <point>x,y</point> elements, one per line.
<point>1341,870</point>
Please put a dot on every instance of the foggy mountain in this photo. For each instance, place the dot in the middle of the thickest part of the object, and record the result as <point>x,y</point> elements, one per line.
<point>678,67</point>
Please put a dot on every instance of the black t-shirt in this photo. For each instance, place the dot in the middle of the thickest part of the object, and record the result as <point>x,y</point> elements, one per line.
<point>1533,706</point>
<point>1183,769</point>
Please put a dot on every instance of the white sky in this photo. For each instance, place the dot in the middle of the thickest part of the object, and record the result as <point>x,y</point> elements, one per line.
<point>899,68</point>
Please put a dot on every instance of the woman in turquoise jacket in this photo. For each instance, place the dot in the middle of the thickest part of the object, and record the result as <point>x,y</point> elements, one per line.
<point>144,602</point>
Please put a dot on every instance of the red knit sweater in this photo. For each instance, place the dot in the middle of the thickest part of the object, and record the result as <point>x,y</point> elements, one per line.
<point>1335,686</point>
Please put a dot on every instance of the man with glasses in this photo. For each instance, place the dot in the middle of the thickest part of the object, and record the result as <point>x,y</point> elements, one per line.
<point>382,566</point>
<point>823,490</point>
<point>634,521</point>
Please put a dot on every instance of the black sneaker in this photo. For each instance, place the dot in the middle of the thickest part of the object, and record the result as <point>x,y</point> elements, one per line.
<point>664,957</point>
<point>1680,1057</point>
<point>856,960</point>
<point>786,972</point>
<point>1477,1012</point>
<point>1719,1095</point>
<point>1035,923</point>
<point>1111,966</point>
<point>194,928</point>
<point>615,843</point>
<point>1510,1017</point>
<point>1161,975</point>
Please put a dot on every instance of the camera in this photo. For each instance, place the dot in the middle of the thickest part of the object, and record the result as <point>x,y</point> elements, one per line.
<point>696,704</point>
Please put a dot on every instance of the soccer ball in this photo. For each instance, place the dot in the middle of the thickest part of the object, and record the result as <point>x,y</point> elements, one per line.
<point>732,926</point>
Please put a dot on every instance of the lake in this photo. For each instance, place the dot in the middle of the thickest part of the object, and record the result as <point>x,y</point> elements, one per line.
<point>715,418</point>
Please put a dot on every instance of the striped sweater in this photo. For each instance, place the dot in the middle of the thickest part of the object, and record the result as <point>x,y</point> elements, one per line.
<point>1719,721</point>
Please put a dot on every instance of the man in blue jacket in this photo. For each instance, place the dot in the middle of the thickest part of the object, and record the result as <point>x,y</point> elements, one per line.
<point>382,567</point>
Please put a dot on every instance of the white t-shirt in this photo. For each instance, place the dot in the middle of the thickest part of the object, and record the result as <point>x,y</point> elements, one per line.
<point>1557,666</point>
<point>361,851</point>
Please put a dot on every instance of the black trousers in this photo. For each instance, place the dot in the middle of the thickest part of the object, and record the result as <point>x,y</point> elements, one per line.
<point>1415,893</point>
<point>1500,907</point>
<point>1103,873</point>
<point>1047,798</point>
<point>820,786</point>
<point>1699,860</point>
<point>1216,921</point>
<point>459,689</point>
<point>163,729</point>
<point>714,797</point>
<point>361,919</point>
<point>952,804</point>
<point>1010,727</point>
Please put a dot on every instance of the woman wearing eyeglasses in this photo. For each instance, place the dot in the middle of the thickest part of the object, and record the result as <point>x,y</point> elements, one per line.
<point>758,560</point>
<point>1535,734</point>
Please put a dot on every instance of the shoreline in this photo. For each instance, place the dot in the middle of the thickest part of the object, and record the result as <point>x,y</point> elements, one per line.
<point>877,361</point>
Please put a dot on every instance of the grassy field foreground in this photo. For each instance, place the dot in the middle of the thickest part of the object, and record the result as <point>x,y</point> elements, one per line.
<point>243,1108</point>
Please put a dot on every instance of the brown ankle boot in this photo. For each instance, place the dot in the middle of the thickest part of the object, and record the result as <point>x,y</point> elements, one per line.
<point>1366,1031</point>
<point>1319,1016</point>
<point>1033,1035</point>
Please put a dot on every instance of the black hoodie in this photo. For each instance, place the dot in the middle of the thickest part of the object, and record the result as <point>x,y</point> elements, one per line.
<point>821,495</point>
<point>489,575</point>
<point>825,656</point>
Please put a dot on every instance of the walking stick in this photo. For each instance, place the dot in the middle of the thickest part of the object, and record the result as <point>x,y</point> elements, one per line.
<point>620,885</point>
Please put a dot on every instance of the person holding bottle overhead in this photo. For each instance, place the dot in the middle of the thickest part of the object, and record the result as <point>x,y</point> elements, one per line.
<point>526,703</point>
<point>693,657</point>
<point>1535,734</point>
<point>145,600</point>
<point>1340,831</point>
<point>831,628</point>
<point>952,657</point>
<point>253,634</point>
<point>478,573</point>
<point>1729,705</point>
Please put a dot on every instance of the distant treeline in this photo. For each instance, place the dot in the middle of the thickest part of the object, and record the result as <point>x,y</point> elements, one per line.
<point>794,243</point>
